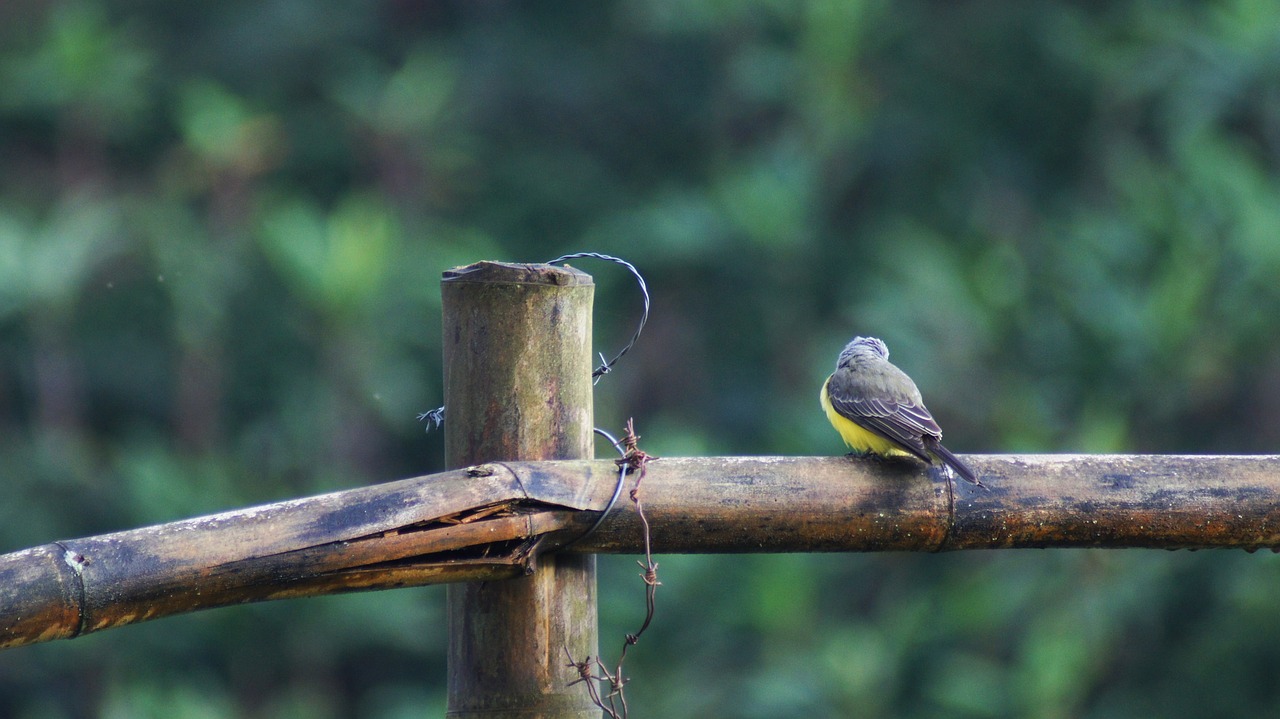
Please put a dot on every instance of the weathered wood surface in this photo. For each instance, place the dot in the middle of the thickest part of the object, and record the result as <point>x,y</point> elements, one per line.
<point>408,533</point>
<point>517,386</point>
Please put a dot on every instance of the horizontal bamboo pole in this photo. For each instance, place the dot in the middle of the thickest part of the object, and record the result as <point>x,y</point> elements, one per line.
<point>491,521</point>
<point>843,504</point>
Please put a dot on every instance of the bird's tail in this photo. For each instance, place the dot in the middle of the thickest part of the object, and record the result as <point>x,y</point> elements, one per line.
<point>953,461</point>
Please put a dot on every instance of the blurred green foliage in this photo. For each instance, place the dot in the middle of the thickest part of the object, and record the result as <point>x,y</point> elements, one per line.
<point>222,228</point>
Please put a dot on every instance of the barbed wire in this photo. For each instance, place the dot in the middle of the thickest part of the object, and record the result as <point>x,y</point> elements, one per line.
<point>606,366</point>
<point>614,702</point>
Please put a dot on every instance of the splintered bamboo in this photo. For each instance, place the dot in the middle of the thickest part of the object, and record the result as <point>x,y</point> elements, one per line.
<point>517,363</point>
<point>472,523</point>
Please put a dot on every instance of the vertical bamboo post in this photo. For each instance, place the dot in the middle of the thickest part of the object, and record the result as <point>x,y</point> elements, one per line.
<point>517,386</point>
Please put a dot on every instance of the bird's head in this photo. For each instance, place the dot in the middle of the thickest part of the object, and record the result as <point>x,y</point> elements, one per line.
<point>862,347</point>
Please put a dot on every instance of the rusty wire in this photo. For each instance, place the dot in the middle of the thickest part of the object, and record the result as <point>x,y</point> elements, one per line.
<point>614,703</point>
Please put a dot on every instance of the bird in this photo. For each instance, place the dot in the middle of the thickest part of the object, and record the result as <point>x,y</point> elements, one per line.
<point>878,410</point>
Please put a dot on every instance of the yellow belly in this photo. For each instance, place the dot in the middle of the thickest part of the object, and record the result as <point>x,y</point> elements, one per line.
<point>859,439</point>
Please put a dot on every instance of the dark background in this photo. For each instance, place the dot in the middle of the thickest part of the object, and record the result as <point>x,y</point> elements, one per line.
<point>222,228</point>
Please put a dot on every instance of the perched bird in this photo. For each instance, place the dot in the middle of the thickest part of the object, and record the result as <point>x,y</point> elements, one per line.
<point>877,409</point>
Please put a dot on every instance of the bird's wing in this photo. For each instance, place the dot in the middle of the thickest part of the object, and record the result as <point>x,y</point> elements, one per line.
<point>898,417</point>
